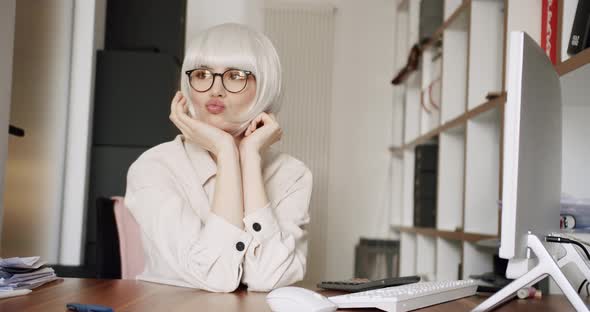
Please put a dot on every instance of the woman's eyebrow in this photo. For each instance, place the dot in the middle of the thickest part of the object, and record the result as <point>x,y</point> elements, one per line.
<point>211,68</point>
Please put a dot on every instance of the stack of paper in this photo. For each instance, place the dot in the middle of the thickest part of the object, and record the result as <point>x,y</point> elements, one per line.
<point>24,273</point>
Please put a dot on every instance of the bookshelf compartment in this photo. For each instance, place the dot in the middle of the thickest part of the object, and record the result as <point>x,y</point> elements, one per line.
<point>407,265</point>
<point>448,259</point>
<point>425,257</point>
<point>408,189</point>
<point>412,108</point>
<point>450,7</point>
<point>398,117</point>
<point>482,173</point>
<point>430,89</point>
<point>567,21</point>
<point>454,75</point>
<point>575,131</point>
<point>486,42</point>
<point>476,260</point>
<point>397,168</point>
<point>451,179</point>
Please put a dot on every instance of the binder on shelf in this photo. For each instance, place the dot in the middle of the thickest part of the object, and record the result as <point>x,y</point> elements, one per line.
<point>580,29</point>
<point>425,187</point>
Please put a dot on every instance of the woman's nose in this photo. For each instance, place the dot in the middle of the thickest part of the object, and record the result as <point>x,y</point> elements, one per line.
<point>217,89</point>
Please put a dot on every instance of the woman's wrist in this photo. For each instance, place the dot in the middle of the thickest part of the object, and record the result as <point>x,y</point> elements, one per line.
<point>249,155</point>
<point>227,149</point>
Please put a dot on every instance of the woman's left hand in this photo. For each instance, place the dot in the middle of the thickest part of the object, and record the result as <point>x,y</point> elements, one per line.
<point>263,132</point>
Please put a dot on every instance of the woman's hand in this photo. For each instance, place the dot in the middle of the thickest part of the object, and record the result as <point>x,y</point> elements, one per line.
<point>210,138</point>
<point>263,132</point>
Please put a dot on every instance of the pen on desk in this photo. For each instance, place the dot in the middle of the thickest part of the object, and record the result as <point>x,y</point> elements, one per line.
<point>13,293</point>
<point>81,307</point>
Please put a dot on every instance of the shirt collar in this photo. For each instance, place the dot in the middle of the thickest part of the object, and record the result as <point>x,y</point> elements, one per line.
<point>201,161</point>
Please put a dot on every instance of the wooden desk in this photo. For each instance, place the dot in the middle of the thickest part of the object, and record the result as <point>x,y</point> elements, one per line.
<point>127,295</point>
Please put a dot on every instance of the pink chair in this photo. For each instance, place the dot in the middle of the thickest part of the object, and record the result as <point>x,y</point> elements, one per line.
<point>130,246</point>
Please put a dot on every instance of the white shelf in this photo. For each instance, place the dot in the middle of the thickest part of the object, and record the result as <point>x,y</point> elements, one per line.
<point>454,77</point>
<point>425,256</point>
<point>451,179</point>
<point>448,258</point>
<point>482,173</point>
<point>486,41</point>
<point>450,7</point>
<point>476,260</point>
<point>408,189</point>
<point>407,265</point>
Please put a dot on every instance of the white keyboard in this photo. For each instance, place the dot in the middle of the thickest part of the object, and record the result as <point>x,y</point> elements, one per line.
<point>407,297</point>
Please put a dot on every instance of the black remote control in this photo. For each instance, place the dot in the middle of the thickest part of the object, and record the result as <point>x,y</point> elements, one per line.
<point>356,285</point>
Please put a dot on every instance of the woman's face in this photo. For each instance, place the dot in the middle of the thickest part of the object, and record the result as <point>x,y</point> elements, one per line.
<point>217,106</point>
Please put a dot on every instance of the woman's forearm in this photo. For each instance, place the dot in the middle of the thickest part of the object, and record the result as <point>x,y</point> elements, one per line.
<point>227,200</point>
<point>253,183</point>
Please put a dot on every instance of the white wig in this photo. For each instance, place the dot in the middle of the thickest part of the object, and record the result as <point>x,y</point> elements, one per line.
<point>237,46</point>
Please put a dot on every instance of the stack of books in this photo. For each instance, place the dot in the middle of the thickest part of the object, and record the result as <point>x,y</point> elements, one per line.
<point>24,273</point>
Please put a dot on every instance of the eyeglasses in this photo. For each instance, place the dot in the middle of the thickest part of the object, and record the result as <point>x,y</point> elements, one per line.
<point>233,80</point>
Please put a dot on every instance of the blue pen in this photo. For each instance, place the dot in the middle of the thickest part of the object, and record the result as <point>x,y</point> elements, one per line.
<point>79,307</point>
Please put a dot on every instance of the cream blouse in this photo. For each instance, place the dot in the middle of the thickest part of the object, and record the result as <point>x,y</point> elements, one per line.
<point>169,192</point>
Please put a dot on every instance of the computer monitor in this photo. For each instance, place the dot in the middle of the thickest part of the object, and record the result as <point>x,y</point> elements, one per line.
<point>532,151</point>
<point>532,176</point>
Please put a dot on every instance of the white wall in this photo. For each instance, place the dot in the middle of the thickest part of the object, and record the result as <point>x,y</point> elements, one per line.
<point>7,20</point>
<point>203,14</point>
<point>303,34</point>
<point>35,165</point>
<point>360,128</point>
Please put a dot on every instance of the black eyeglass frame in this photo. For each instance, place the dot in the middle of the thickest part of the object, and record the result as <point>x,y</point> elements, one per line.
<point>247,72</point>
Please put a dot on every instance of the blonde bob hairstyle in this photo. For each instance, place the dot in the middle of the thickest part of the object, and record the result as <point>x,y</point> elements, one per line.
<point>237,46</point>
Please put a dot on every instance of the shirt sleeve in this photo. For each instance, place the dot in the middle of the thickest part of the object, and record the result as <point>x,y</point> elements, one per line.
<point>179,244</point>
<point>277,256</point>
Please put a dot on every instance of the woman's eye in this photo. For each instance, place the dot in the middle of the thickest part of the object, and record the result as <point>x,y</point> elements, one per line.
<point>201,74</point>
<point>237,75</point>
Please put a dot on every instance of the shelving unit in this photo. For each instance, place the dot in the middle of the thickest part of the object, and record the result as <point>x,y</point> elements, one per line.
<point>468,84</point>
<point>457,95</point>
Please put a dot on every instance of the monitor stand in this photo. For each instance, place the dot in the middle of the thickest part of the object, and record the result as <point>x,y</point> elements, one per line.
<point>546,266</point>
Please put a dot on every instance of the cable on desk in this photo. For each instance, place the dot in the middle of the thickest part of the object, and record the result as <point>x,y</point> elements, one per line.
<point>563,240</point>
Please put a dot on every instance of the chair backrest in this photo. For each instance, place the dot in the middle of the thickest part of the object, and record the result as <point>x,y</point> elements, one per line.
<point>130,245</point>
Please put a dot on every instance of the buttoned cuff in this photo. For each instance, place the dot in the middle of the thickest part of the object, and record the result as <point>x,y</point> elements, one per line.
<point>262,223</point>
<point>218,233</point>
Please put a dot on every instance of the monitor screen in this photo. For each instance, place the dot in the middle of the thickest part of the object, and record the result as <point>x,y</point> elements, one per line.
<point>532,147</point>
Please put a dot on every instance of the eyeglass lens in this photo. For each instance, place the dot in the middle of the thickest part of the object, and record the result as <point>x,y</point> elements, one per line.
<point>234,80</point>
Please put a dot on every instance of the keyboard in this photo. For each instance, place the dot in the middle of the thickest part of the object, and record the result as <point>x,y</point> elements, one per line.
<point>407,297</point>
<point>356,285</point>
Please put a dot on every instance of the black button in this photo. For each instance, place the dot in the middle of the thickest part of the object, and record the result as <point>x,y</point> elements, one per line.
<point>256,226</point>
<point>240,246</point>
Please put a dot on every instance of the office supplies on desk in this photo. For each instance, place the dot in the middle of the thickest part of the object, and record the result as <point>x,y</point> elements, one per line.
<point>356,285</point>
<point>297,299</point>
<point>80,307</point>
<point>407,297</point>
<point>14,293</point>
<point>24,273</point>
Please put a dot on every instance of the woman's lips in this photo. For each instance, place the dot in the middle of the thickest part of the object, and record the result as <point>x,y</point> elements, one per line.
<point>215,107</point>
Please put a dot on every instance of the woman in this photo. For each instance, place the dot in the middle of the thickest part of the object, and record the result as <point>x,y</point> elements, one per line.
<point>217,206</point>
